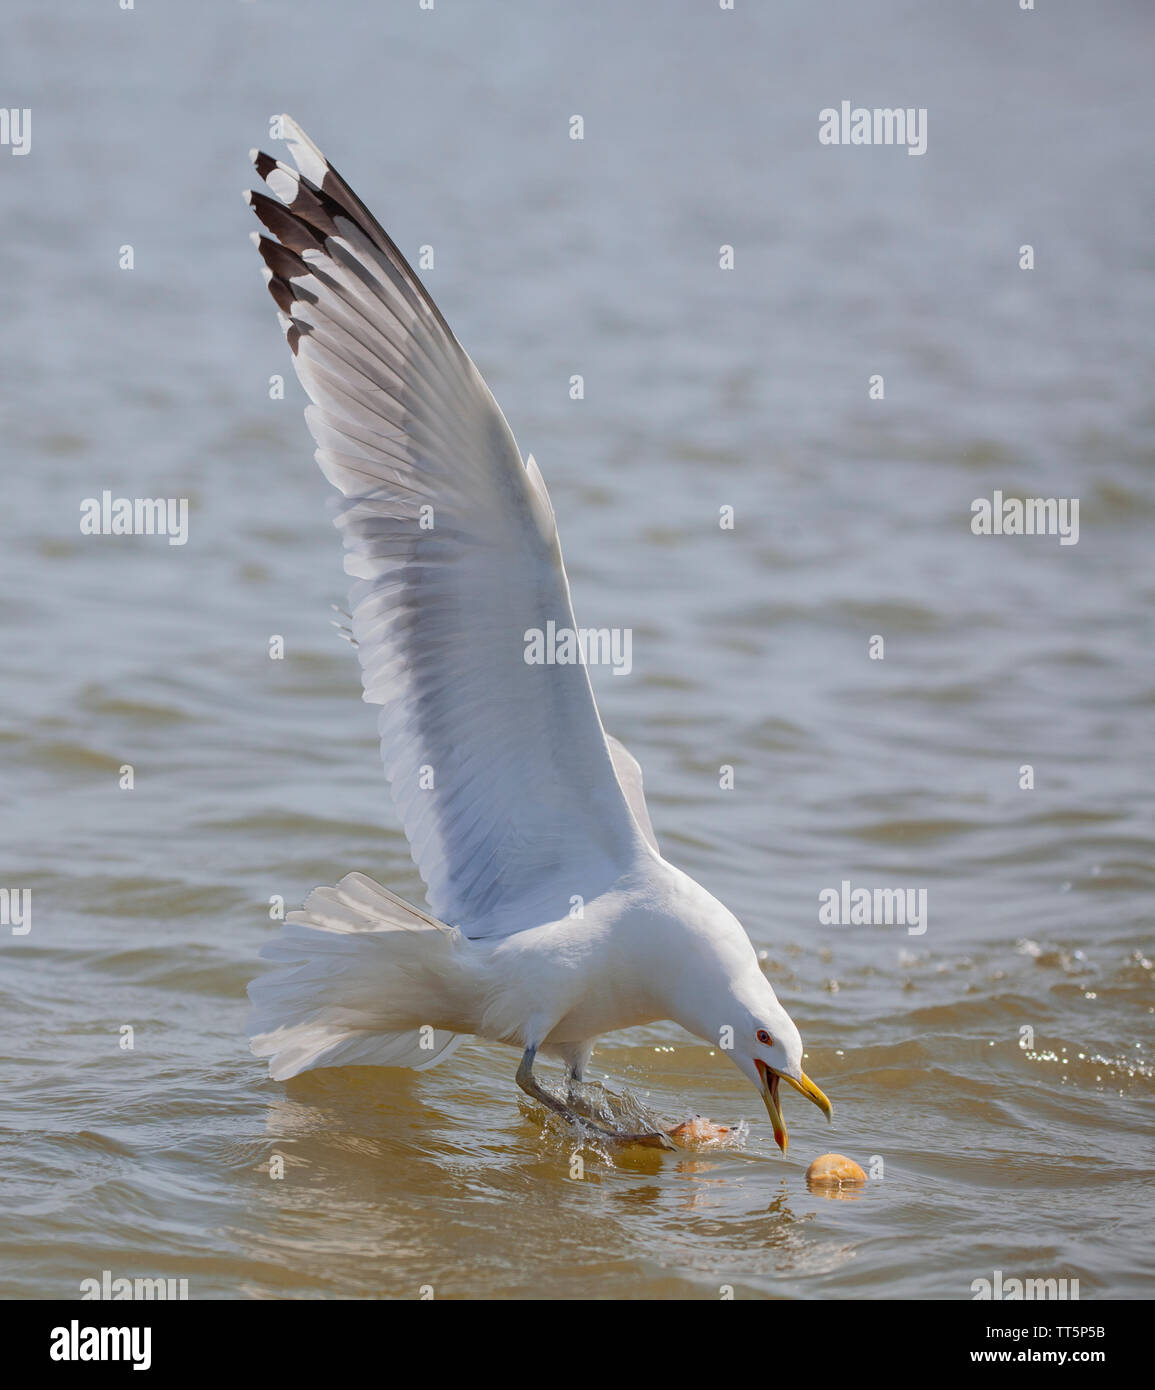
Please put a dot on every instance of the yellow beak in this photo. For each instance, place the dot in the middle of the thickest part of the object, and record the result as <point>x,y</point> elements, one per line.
<point>770,1079</point>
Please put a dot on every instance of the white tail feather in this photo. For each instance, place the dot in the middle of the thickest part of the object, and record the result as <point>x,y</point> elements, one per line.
<point>366,980</point>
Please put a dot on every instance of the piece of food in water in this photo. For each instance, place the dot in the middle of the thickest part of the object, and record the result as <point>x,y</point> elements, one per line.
<point>835,1170</point>
<point>697,1131</point>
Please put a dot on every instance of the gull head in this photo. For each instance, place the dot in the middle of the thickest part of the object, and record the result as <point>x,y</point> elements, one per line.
<point>722,995</point>
<point>767,1048</point>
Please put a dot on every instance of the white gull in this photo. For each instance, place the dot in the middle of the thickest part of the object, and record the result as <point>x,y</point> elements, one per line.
<point>553,916</point>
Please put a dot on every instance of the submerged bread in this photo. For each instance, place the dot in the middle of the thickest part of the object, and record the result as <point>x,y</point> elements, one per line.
<point>697,1131</point>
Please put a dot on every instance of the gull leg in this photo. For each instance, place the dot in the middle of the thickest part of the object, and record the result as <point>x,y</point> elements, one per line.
<point>529,1084</point>
<point>576,1058</point>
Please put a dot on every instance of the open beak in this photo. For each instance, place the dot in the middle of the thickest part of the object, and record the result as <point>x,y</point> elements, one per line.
<point>770,1080</point>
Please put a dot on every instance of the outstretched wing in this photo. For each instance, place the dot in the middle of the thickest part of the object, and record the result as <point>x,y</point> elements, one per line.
<point>499,768</point>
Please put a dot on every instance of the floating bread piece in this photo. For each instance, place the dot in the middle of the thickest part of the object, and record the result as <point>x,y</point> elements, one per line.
<point>697,1131</point>
<point>835,1170</point>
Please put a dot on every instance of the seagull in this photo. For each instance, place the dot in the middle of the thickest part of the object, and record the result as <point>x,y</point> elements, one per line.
<point>553,917</point>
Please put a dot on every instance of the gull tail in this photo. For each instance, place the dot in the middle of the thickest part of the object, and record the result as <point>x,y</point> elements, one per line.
<point>366,980</point>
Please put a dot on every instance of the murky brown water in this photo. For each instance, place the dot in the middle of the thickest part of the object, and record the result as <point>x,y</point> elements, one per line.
<point>997,1148</point>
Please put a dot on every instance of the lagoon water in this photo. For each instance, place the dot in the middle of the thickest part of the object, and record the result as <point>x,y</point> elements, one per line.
<point>995,1071</point>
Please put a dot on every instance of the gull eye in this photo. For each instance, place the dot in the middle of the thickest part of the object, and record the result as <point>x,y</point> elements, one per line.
<point>764,1037</point>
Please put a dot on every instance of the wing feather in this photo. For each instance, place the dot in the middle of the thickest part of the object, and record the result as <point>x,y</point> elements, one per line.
<point>500,770</point>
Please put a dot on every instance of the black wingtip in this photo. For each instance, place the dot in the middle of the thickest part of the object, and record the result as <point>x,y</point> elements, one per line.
<point>292,231</point>
<point>281,260</point>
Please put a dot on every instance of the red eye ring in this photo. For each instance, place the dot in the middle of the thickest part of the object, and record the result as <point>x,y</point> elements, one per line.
<point>764,1037</point>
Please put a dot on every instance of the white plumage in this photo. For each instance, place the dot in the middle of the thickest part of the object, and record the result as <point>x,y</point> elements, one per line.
<point>515,802</point>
